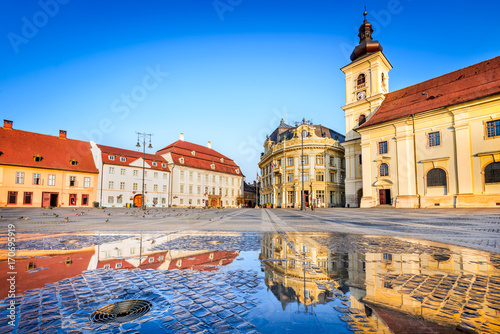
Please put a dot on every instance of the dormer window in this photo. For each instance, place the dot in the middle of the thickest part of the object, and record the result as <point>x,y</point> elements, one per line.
<point>111,157</point>
<point>73,162</point>
<point>193,153</point>
<point>212,166</point>
<point>37,158</point>
<point>237,171</point>
<point>181,160</point>
<point>221,159</point>
<point>164,165</point>
<point>123,159</point>
<point>155,164</point>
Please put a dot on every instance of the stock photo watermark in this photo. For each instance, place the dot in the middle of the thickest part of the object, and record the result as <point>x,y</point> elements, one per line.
<point>31,26</point>
<point>251,146</point>
<point>123,105</point>
<point>223,6</point>
<point>11,273</point>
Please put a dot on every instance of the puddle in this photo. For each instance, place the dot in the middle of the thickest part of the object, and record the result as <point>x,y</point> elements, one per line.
<point>248,283</point>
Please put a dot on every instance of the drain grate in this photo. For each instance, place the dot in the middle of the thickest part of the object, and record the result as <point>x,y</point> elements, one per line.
<point>123,311</point>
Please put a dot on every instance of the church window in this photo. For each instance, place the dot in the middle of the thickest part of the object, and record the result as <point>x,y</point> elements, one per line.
<point>384,170</point>
<point>493,128</point>
<point>361,79</point>
<point>436,177</point>
<point>382,147</point>
<point>361,119</point>
<point>434,139</point>
<point>492,173</point>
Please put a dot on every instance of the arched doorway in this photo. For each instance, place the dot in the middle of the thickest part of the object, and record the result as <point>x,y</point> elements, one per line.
<point>137,200</point>
<point>360,194</point>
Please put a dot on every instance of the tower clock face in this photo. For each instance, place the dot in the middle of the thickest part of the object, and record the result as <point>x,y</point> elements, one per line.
<point>361,95</point>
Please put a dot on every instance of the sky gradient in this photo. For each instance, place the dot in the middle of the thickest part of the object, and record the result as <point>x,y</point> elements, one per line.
<point>224,71</point>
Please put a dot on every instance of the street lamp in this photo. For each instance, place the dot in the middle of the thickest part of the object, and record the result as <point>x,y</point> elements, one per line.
<point>143,135</point>
<point>303,134</point>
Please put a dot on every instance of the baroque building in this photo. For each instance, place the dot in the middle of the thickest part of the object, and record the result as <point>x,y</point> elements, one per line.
<point>433,144</point>
<point>201,176</point>
<point>306,158</point>
<point>38,170</point>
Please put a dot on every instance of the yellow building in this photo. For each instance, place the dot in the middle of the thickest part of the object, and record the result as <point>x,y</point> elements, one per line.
<point>455,286</point>
<point>433,144</point>
<point>38,170</point>
<point>320,171</point>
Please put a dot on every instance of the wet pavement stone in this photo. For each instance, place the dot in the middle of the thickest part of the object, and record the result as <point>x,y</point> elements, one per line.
<point>212,242</point>
<point>68,304</point>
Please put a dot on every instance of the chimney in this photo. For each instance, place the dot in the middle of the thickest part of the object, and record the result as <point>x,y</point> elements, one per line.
<point>209,144</point>
<point>7,124</point>
<point>62,134</point>
<point>181,136</point>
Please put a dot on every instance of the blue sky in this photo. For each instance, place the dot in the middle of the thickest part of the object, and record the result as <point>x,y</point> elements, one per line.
<point>223,70</point>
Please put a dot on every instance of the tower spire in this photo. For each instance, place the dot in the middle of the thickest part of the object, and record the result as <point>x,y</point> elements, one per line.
<point>366,44</point>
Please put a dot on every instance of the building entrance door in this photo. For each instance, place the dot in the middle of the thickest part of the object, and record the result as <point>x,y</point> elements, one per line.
<point>385,196</point>
<point>137,201</point>
<point>53,199</point>
<point>49,199</point>
<point>45,199</point>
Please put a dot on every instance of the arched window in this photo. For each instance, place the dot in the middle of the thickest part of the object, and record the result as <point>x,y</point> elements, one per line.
<point>361,79</point>
<point>384,170</point>
<point>492,173</point>
<point>436,177</point>
<point>361,119</point>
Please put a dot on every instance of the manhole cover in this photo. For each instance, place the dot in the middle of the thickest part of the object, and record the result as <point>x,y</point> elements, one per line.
<point>123,311</point>
<point>69,241</point>
<point>215,242</point>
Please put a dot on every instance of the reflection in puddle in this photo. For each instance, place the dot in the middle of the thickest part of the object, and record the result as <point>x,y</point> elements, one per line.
<point>294,282</point>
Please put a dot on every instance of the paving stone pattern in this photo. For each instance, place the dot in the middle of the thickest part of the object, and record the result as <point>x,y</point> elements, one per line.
<point>246,242</point>
<point>472,302</point>
<point>183,302</point>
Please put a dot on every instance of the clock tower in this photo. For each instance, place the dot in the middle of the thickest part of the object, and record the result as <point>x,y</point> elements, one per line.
<point>366,83</point>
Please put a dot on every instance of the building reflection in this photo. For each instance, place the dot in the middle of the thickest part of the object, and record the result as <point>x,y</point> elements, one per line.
<point>36,268</point>
<point>299,269</point>
<point>441,285</point>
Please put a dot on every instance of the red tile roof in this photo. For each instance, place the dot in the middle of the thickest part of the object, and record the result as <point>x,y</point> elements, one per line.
<point>19,148</point>
<point>203,158</point>
<point>467,84</point>
<point>203,262</point>
<point>131,156</point>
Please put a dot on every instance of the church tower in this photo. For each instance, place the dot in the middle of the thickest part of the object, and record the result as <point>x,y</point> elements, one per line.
<point>366,83</point>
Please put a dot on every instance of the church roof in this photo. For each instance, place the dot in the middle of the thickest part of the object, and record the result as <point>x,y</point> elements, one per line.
<point>19,148</point>
<point>470,83</point>
<point>203,157</point>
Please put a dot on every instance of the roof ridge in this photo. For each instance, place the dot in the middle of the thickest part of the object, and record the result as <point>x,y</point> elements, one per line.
<point>445,74</point>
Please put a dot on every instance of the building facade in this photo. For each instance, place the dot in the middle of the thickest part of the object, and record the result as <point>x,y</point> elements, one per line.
<point>249,194</point>
<point>38,170</point>
<point>201,176</point>
<point>433,144</point>
<point>291,164</point>
<point>121,177</point>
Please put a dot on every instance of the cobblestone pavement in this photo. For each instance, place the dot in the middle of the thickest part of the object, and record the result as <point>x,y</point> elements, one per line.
<point>474,228</point>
